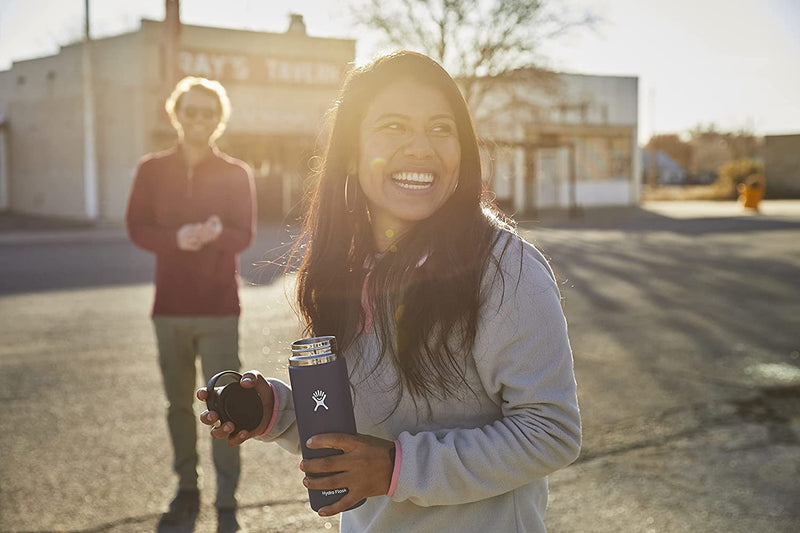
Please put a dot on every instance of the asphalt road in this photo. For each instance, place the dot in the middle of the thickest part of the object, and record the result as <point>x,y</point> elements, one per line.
<point>685,324</point>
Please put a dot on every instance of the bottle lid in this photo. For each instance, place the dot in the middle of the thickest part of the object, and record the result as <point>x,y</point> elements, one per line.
<point>313,351</point>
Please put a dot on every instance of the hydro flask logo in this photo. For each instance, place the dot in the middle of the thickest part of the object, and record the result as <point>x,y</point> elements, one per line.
<point>319,399</point>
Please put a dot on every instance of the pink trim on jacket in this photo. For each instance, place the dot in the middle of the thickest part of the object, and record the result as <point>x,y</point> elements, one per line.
<point>274,418</point>
<point>398,457</point>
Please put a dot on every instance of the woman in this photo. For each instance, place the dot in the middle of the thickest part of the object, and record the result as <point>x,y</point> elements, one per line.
<point>450,323</point>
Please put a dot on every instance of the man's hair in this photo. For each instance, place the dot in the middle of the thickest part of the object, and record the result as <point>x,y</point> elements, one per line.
<point>211,87</point>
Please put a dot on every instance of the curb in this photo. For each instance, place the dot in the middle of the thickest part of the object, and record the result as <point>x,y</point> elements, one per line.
<point>62,236</point>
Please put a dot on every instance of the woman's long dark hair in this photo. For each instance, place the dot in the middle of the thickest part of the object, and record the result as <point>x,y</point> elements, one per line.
<point>424,295</point>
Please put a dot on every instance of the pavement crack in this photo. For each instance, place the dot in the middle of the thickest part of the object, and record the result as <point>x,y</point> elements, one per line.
<point>772,407</point>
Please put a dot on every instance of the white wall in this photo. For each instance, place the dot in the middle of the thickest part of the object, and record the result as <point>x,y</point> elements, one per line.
<point>44,135</point>
<point>119,110</point>
<point>602,193</point>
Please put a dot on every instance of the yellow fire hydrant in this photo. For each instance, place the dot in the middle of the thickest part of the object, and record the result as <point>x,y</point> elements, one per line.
<point>751,193</point>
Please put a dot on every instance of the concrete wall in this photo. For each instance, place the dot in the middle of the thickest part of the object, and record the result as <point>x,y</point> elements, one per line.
<point>782,165</point>
<point>44,112</point>
<point>43,101</point>
<point>119,118</point>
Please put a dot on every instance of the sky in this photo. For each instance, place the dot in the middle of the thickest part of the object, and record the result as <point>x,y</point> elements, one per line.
<point>731,63</point>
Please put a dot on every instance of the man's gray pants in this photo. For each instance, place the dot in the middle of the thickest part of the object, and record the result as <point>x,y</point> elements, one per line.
<point>180,340</point>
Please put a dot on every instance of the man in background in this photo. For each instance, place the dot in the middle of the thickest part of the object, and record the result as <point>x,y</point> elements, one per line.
<point>194,208</point>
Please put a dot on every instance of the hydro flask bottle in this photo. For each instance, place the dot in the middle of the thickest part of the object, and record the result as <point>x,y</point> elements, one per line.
<point>322,402</point>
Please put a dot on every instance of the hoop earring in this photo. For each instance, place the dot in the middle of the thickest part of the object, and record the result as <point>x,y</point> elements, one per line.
<point>349,209</point>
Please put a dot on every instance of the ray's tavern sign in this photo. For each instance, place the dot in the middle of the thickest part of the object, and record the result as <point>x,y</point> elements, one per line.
<point>258,69</point>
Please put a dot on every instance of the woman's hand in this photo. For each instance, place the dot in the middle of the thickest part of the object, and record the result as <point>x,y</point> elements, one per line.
<point>250,379</point>
<point>365,468</point>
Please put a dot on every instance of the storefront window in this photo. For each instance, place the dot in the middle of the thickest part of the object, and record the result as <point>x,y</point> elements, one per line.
<point>621,158</point>
<point>593,159</point>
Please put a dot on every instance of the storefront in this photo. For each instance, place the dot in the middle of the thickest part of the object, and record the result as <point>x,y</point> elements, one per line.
<point>567,143</point>
<point>280,86</point>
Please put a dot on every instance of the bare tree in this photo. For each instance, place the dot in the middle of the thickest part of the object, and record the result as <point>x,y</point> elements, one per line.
<point>672,145</point>
<point>480,42</point>
<point>712,148</point>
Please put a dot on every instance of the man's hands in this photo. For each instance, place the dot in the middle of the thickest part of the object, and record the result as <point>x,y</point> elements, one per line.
<point>192,237</point>
<point>365,468</point>
<point>250,379</point>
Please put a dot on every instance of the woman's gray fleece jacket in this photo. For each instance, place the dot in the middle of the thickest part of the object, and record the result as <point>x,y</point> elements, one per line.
<point>479,462</point>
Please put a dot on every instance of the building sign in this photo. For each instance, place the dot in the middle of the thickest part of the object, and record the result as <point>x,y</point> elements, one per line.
<point>256,69</point>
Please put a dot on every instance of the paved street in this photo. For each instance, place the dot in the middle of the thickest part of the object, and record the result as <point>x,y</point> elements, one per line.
<point>684,319</point>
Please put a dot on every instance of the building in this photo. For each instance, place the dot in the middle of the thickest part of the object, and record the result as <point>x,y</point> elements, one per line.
<point>667,170</point>
<point>280,85</point>
<point>557,140</point>
<point>549,140</point>
<point>782,165</point>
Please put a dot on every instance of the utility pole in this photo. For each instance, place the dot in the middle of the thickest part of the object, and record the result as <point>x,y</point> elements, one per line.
<point>5,201</point>
<point>170,38</point>
<point>90,181</point>
<point>652,170</point>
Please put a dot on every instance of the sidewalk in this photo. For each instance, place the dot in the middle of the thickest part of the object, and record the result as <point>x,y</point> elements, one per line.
<point>784,209</point>
<point>20,229</point>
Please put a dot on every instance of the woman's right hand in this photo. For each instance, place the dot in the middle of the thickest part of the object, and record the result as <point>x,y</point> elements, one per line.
<point>250,379</point>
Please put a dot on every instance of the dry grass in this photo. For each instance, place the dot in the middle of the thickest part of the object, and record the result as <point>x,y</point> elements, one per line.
<point>688,192</point>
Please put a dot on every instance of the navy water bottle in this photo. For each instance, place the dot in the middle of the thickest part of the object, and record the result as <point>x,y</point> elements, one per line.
<point>322,403</point>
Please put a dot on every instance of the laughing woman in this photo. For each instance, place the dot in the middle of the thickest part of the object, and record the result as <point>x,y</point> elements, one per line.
<point>451,324</point>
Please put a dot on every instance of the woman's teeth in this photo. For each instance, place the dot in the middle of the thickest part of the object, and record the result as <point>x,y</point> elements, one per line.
<point>413,180</point>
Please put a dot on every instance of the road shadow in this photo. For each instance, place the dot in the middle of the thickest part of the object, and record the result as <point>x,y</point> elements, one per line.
<point>90,263</point>
<point>12,222</point>
<point>640,220</point>
<point>684,306</point>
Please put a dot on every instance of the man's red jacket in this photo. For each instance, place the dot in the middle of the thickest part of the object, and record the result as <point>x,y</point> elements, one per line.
<point>167,194</point>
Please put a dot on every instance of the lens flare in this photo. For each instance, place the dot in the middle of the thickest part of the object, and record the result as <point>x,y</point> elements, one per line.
<point>377,164</point>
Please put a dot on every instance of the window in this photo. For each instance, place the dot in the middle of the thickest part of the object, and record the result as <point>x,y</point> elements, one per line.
<point>621,157</point>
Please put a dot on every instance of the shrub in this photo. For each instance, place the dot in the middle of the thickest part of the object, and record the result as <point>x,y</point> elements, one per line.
<point>739,171</point>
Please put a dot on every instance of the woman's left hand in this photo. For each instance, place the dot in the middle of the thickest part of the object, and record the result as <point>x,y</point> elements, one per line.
<point>365,468</point>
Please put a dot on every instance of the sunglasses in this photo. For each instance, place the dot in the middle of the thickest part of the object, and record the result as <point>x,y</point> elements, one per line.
<point>192,112</point>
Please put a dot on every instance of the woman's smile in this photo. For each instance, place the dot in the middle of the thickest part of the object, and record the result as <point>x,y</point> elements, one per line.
<point>415,181</point>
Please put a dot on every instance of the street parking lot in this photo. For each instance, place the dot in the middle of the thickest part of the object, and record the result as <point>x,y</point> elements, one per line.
<point>684,319</point>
